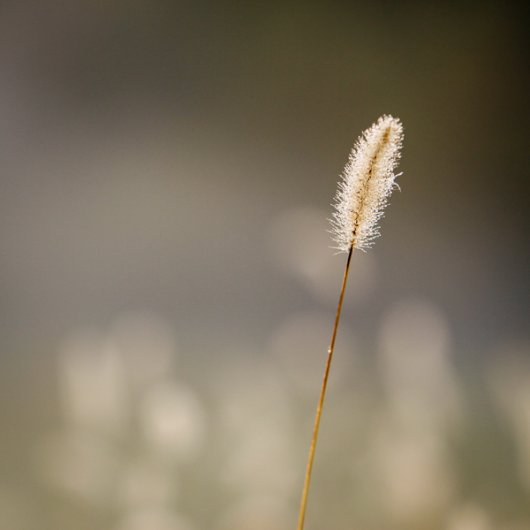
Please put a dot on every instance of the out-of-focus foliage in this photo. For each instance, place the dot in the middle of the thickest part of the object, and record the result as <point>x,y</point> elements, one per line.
<point>167,287</point>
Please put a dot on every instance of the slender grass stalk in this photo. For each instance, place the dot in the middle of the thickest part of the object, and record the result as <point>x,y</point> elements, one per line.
<point>316,427</point>
<point>366,184</point>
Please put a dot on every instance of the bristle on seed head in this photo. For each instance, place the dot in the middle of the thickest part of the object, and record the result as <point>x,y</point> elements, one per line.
<point>366,184</point>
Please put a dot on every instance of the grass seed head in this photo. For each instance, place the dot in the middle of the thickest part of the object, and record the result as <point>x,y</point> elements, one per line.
<point>366,184</point>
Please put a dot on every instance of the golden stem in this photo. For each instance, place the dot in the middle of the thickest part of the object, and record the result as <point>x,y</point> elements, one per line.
<point>311,456</point>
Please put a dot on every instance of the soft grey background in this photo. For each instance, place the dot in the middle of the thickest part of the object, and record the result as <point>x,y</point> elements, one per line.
<point>178,159</point>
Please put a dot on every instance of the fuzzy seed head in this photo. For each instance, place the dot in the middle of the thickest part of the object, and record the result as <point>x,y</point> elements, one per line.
<point>366,184</point>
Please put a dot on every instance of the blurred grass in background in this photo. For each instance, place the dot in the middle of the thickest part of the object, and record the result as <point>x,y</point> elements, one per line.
<point>167,287</point>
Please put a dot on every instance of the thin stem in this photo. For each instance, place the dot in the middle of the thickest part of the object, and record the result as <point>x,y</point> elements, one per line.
<point>311,456</point>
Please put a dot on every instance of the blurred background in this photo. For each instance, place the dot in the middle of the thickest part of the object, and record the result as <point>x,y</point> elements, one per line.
<point>167,283</point>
